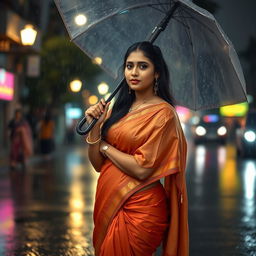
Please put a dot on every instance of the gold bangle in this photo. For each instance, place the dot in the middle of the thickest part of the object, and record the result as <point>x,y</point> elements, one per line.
<point>93,142</point>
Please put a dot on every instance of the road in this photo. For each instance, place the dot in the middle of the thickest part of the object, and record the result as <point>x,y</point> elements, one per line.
<point>47,210</point>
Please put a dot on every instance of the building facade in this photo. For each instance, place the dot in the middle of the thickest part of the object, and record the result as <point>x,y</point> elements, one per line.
<point>14,16</point>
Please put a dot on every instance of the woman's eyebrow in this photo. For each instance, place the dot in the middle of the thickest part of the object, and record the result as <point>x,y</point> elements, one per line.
<point>139,62</point>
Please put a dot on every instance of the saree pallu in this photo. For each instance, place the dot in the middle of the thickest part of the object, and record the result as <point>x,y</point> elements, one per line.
<point>154,137</point>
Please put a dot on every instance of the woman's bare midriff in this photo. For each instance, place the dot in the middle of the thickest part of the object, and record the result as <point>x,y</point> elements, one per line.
<point>148,186</point>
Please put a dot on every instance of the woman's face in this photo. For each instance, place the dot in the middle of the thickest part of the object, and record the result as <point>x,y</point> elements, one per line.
<point>139,72</point>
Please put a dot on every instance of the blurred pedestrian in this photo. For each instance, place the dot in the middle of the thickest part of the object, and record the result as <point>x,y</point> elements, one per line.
<point>133,146</point>
<point>46,135</point>
<point>21,142</point>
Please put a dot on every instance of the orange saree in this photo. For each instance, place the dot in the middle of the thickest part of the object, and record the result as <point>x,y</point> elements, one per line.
<point>129,222</point>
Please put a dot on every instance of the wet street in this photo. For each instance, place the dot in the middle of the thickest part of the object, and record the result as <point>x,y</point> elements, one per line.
<point>47,210</point>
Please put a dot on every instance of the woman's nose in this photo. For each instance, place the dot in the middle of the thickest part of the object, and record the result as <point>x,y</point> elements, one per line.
<point>135,71</point>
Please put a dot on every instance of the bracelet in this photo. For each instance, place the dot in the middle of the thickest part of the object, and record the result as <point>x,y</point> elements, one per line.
<point>93,142</point>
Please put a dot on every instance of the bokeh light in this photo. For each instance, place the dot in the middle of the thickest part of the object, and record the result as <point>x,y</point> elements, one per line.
<point>93,99</point>
<point>80,20</point>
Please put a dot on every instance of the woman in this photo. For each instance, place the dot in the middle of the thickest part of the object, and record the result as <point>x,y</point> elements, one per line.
<point>21,147</point>
<point>139,143</point>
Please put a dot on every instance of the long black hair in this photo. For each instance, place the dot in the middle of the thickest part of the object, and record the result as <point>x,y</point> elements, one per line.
<point>125,99</point>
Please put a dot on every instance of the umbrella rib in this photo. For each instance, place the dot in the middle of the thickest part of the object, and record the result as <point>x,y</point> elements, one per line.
<point>175,18</point>
<point>157,9</point>
<point>191,17</point>
<point>136,6</point>
<point>194,64</point>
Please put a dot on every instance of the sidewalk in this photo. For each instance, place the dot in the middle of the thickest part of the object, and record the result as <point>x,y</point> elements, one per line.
<point>47,209</point>
<point>4,161</point>
<point>35,158</point>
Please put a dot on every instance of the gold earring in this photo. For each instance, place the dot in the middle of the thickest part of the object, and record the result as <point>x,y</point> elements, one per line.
<point>156,86</point>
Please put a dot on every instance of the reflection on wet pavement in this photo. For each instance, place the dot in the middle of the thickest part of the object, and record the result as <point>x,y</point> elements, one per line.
<point>222,202</point>
<point>47,210</point>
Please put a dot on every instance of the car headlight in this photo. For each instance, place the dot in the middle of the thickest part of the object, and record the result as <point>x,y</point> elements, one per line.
<point>200,131</point>
<point>250,136</point>
<point>222,131</point>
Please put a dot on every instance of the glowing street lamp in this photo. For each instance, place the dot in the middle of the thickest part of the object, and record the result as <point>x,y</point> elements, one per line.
<point>28,35</point>
<point>75,85</point>
<point>103,88</point>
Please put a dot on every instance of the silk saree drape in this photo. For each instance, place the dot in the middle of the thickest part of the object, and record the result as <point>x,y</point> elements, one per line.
<point>154,137</point>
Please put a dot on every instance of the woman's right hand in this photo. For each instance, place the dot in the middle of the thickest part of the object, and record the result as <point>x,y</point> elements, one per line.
<point>98,111</point>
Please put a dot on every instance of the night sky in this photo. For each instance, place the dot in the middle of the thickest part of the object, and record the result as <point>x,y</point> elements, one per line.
<point>238,20</point>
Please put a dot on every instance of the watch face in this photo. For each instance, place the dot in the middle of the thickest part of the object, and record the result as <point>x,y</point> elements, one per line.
<point>105,147</point>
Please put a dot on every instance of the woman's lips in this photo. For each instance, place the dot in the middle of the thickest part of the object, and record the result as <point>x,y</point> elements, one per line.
<point>134,81</point>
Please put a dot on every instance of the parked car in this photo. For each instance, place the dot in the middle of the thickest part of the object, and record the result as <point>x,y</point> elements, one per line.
<point>246,136</point>
<point>210,128</point>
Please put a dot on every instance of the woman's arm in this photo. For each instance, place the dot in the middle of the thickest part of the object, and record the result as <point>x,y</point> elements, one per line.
<point>125,162</point>
<point>98,111</point>
<point>95,156</point>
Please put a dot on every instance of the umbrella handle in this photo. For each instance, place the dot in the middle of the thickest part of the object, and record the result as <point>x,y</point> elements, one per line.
<point>90,126</point>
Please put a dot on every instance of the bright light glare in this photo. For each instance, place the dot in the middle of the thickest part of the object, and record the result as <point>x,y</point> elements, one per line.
<point>73,113</point>
<point>75,85</point>
<point>183,126</point>
<point>222,131</point>
<point>103,88</point>
<point>250,178</point>
<point>28,35</point>
<point>76,219</point>
<point>77,204</point>
<point>195,120</point>
<point>250,136</point>
<point>80,19</point>
<point>200,131</point>
<point>93,99</point>
<point>97,60</point>
<point>234,110</point>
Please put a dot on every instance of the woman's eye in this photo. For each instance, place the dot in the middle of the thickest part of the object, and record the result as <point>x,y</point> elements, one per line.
<point>128,66</point>
<point>143,66</point>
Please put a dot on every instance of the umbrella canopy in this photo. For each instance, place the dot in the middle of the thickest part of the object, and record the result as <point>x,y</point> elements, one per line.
<point>204,68</point>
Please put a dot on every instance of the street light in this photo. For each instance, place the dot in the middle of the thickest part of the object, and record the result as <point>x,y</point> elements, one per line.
<point>103,88</point>
<point>28,35</point>
<point>75,85</point>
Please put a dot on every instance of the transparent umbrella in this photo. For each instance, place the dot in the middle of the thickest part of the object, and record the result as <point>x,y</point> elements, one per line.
<point>204,68</point>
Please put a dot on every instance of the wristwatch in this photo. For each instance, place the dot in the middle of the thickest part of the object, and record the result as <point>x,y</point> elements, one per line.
<point>105,148</point>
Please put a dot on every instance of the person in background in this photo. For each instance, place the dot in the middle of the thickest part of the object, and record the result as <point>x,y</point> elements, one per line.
<point>21,142</point>
<point>46,134</point>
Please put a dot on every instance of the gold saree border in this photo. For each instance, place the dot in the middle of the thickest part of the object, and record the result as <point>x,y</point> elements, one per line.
<point>125,192</point>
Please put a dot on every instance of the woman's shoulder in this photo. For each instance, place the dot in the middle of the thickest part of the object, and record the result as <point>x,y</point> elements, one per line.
<point>162,113</point>
<point>165,108</point>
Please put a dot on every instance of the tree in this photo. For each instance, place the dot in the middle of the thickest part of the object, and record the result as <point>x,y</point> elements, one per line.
<point>61,62</point>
